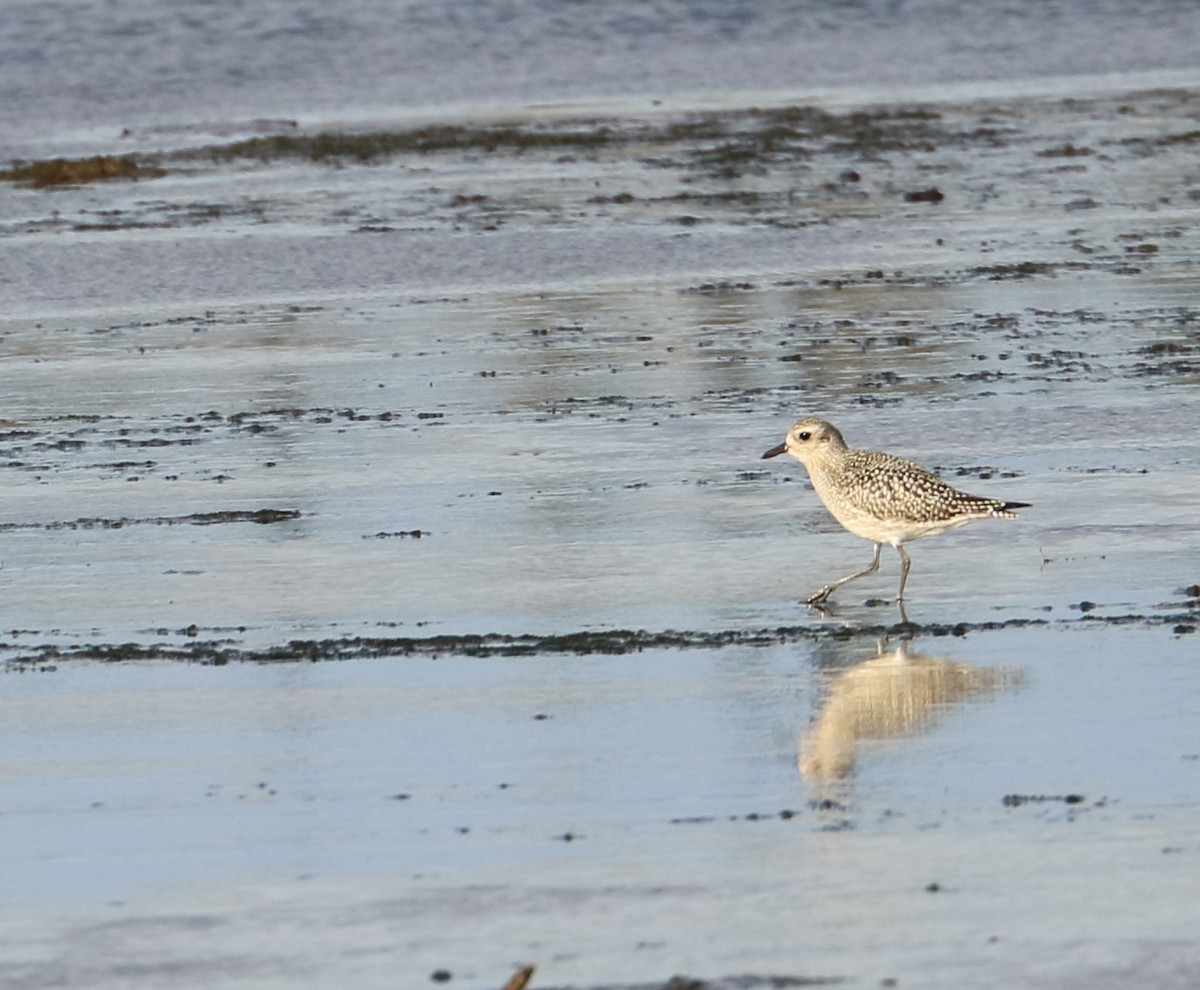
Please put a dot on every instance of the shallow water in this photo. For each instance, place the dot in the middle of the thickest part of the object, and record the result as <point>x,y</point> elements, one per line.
<point>612,818</point>
<point>479,430</point>
<point>77,72</point>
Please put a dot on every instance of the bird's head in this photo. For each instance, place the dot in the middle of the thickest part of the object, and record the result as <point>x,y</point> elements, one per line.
<point>808,440</point>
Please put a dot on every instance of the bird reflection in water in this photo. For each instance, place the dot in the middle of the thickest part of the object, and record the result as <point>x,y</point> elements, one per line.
<point>894,694</point>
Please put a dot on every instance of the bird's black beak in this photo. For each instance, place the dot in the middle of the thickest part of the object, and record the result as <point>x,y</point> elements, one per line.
<point>775,451</point>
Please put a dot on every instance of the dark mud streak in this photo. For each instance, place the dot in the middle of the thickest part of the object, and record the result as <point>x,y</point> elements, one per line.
<point>263,517</point>
<point>584,643</point>
<point>1016,800</point>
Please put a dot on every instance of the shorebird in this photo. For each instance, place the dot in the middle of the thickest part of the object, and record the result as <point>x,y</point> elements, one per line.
<point>880,497</point>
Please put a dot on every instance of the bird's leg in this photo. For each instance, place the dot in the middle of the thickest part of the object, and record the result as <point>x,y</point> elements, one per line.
<point>821,596</point>
<point>905,564</point>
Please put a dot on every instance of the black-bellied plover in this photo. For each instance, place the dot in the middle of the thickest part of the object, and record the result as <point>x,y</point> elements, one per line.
<point>880,497</point>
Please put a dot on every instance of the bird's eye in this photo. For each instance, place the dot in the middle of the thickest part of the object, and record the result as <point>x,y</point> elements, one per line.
<point>803,435</point>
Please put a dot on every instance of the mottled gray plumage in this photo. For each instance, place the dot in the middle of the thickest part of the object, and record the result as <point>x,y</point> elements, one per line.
<point>880,497</point>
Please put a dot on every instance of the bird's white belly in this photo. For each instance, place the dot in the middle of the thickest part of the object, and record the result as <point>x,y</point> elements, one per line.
<point>893,531</point>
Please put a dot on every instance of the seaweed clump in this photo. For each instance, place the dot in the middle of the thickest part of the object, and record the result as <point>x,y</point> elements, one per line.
<point>331,145</point>
<point>79,171</point>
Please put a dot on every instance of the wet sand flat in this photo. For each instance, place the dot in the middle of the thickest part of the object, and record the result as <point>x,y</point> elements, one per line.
<point>393,586</point>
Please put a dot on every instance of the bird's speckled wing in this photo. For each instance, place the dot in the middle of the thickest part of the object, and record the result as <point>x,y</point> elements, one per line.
<point>890,487</point>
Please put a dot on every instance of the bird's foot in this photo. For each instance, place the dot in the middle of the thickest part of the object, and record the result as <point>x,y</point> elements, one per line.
<point>819,600</point>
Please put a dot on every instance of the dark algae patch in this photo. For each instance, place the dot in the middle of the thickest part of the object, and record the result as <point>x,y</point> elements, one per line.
<point>367,147</point>
<point>262,517</point>
<point>722,141</point>
<point>741,138</point>
<point>1016,800</point>
<point>1022,269</point>
<point>501,645</point>
<point>817,167</point>
<point>614,642</point>
<point>79,171</point>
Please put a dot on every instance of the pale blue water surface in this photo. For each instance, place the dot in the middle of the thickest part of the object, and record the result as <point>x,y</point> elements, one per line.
<point>560,370</point>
